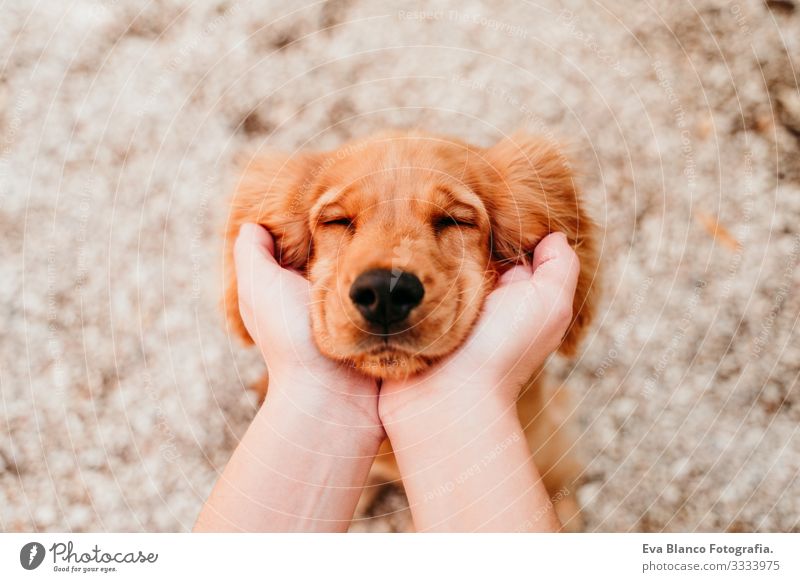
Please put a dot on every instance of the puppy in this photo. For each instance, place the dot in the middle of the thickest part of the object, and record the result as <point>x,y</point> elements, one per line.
<point>402,236</point>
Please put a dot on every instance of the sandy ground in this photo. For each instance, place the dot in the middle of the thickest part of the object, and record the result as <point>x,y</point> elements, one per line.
<point>122,398</point>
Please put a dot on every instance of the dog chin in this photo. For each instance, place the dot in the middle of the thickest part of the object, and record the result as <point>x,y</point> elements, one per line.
<point>390,364</point>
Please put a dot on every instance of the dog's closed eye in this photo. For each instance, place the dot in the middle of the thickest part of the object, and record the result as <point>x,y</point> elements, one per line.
<point>446,221</point>
<point>337,221</point>
<point>334,216</point>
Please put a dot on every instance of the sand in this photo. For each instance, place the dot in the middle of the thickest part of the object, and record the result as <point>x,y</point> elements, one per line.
<point>122,397</point>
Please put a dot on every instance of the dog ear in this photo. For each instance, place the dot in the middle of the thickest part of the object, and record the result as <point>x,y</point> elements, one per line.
<point>275,190</point>
<point>531,193</point>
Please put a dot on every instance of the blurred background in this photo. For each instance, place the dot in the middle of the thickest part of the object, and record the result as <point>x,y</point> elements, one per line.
<point>121,398</point>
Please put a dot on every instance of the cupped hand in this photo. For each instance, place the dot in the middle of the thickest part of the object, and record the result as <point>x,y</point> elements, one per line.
<point>524,320</point>
<point>273,302</point>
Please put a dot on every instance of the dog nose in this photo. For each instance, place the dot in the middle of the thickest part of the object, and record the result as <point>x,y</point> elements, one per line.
<point>384,297</point>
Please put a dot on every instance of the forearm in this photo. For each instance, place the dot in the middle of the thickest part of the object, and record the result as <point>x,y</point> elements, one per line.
<point>294,470</point>
<point>471,471</point>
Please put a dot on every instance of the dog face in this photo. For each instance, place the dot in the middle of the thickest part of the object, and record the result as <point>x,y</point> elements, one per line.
<point>403,235</point>
<point>399,260</point>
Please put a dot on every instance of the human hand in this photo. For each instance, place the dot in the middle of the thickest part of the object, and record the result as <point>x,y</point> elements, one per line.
<point>523,322</point>
<point>461,449</point>
<point>273,302</point>
<point>302,464</point>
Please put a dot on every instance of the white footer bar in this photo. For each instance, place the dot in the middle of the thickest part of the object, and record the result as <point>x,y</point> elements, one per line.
<point>411,557</point>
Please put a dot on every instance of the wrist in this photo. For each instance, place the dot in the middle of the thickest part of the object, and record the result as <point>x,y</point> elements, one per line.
<point>439,401</point>
<point>439,414</point>
<point>309,408</point>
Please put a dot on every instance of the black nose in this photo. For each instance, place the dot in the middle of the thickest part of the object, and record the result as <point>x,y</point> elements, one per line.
<point>384,297</point>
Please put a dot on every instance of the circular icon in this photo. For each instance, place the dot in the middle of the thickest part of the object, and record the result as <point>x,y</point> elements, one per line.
<point>31,555</point>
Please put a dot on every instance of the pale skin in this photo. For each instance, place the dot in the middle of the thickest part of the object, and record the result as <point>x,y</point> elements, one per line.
<point>465,463</point>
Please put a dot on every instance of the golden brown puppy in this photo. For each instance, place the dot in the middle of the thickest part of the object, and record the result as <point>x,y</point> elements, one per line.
<point>402,235</point>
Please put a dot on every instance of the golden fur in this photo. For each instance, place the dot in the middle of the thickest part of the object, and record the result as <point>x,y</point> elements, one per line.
<point>455,215</point>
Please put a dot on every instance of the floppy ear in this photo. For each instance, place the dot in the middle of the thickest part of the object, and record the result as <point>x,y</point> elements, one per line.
<point>531,193</point>
<point>275,190</point>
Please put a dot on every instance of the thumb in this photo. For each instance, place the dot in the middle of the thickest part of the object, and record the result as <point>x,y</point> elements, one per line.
<point>553,274</point>
<point>256,267</point>
<point>515,274</point>
<point>556,266</point>
<point>555,278</point>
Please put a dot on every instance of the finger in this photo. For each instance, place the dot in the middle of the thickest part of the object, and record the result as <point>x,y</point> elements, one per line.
<point>253,256</point>
<point>515,274</point>
<point>508,301</point>
<point>260,279</point>
<point>254,241</point>
<point>555,265</point>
